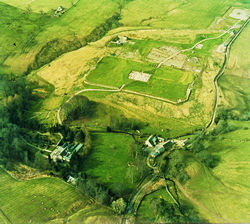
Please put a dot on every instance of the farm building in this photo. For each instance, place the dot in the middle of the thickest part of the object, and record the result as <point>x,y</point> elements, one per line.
<point>65,152</point>
<point>59,11</point>
<point>157,151</point>
<point>153,140</point>
<point>71,180</point>
<point>120,40</point>
<point>161,147</point>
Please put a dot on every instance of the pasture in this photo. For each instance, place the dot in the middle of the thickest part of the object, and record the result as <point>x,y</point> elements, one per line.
<point>235,82</point>
<point>146,209</point>
<point>40,5</point>
<point>165,82</point>
<point>219,193</point>
<point>108,161</point>
<point>190,14</point>
<point>223,193</point>
<point>38,200</point>
<point>26,33</point>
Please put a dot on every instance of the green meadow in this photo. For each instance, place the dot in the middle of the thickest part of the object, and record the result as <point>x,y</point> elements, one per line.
<point>38,200</point>
<point>27,33</point>
<point>108,160</point>
<point>165,82</point>
<point>40,5</point>
<point>222,194</point>
<point>189,14</point>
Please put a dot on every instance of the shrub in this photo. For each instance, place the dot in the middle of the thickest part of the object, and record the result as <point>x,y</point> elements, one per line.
<point>119,206</point>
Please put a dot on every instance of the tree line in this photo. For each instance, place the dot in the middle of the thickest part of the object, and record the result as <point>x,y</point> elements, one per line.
<point>15,102</point>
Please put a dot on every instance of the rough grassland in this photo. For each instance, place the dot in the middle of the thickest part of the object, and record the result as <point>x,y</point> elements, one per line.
<point>109,159</point>
<point>97,214</point>
<point>31,31</point>
<point>194,14</point>
<point>40,5</point>
<point>145,211</point>
<point>38,200</point>
<point>235,82</point>
<point>223,194</point>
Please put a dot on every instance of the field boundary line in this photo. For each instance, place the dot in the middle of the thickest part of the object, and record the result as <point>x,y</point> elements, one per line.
<point>5,216</point>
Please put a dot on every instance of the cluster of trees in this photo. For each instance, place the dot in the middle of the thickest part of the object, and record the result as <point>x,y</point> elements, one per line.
<point>173,166</point>
<point>119,206</point>
<point>17,96</point>
<point>101,194</point>
<point>170,213</point>
<point>92,188</point>
<point>77,106</point>
<point>226,114</point>
<point>200,147</point>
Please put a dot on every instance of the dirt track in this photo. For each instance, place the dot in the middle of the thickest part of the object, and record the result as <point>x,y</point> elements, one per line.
<point>114,89</point>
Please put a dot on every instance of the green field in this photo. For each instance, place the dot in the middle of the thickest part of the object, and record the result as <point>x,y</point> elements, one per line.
<point>235,82</point>
<point>190,14</point>
<point>108,161</point>
<point>38,200</point>
<point>145,212</point>
<point>222,195</point>
<point>31,31</point>
<point>40,5</point>
<point>165,82</point>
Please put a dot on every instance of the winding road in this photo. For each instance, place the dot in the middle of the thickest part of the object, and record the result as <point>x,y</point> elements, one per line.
<point>221,72</point>
<point>82,91</point>
<point>115,89</point>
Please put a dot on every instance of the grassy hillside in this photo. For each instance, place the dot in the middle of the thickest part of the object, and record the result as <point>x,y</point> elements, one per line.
<point>146,211</point>
<point>38,200</point>
<point>31,32</point>
<point>18,31</point>
<point>109,159</point>
<point>40,5</point>
<point>97,214</point>
<point>192,14</point>
<point>222,195</point>
<point>235,82</point>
